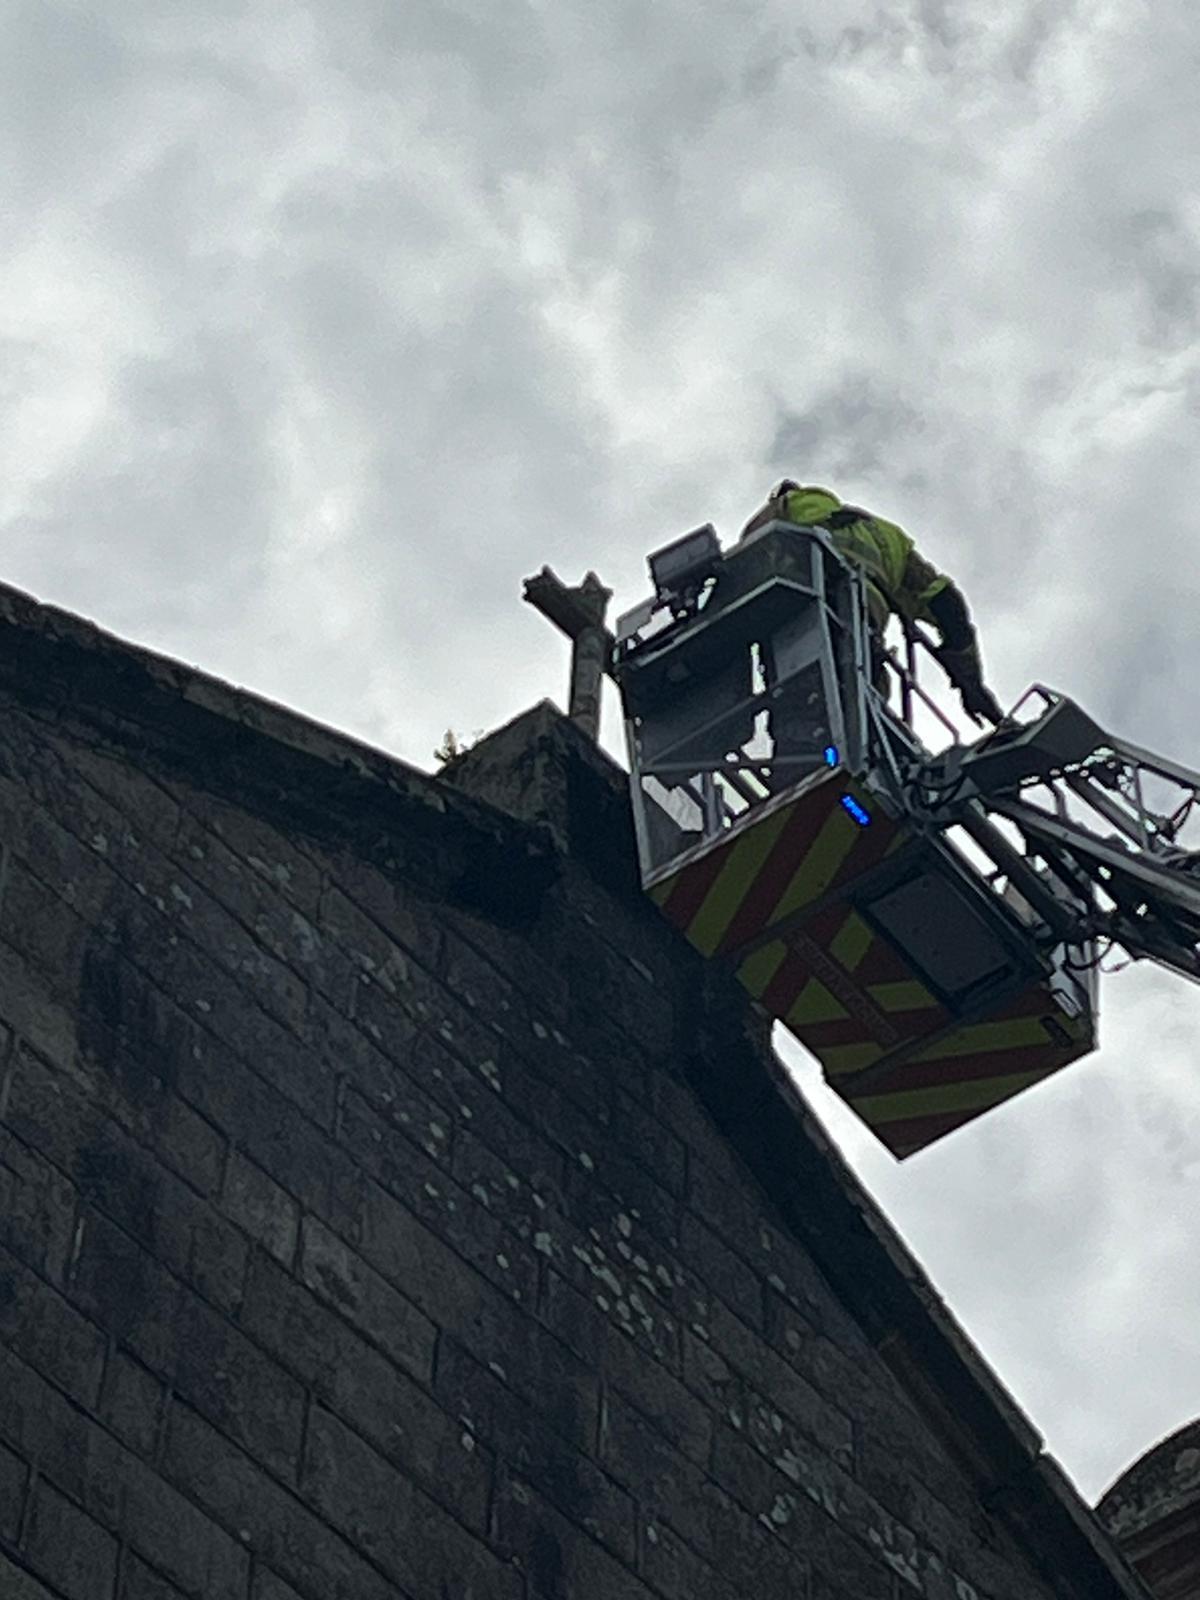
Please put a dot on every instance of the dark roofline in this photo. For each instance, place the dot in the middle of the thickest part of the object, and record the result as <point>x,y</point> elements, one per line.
<point>285,766</point>
<point>503,818</point>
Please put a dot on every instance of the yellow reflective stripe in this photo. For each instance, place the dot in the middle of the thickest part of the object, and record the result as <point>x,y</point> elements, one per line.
<point>734,881</point>
<point>851,942</point>
<point>973,1095</point>
<point>880,548</point>
<point>838,1059</point>
<point>820,866</point>
<point>905,995</point>
<point>661,891</point>
<point>815,1004</point>
<point>809,504</point>
<point>761,966</point>
<point>984,1037</point>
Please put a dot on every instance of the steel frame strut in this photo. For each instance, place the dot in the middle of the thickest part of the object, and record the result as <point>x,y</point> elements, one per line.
<point>1094,829</point>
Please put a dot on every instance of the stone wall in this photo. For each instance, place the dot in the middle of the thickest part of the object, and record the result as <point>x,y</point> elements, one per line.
<point>1153,1513</point>
<point>366,1228</point>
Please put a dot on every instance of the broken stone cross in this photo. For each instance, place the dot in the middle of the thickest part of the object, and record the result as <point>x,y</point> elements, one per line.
<point>579,612</point>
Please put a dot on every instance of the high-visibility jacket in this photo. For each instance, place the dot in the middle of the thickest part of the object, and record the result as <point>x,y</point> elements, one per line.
<point>898,578</point>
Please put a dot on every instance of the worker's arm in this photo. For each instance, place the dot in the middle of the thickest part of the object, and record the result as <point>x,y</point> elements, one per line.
<point>938,600</point>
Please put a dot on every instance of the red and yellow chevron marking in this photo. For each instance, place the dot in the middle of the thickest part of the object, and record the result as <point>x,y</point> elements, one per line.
<point>969,1071</point>
<point>847,993</point>
<point>774,866</point>
<point>866,1004</point>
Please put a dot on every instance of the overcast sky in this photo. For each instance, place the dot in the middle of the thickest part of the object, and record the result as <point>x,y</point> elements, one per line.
<point>324,326</point>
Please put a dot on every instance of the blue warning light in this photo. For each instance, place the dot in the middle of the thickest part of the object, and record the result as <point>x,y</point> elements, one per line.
<point>859,813</point>
<point>831,755</point>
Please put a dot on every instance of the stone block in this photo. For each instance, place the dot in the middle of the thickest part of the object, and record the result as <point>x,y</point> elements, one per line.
<point>501,1420</point>
<point>141,1582</point>
<point>475,1094</point>
<point>29,1008</point>
<point>115,1487</point>
<point>228,1019</point>
<point>263,894</point>
<point>39,1325</point>
<point>674,1107</point>
<point>265,1124</point>
<point>240,1390</point>
<point>454,1213</point>
<point>716,1523</point>
<point>190,1145</point>
<point>131,1403</point>
<point>113,794</point>
<point>730,1205</point>
<point>49,933</point>
<point>603,1185</point>
<point>642,1134</point>
<point>400,1244</point>
<point>268,1585</point>
<point>518,961</point>
<point>636,1293</point>
<point>393,1524</point>
<point>354,1381</point>
<point>377,892</point>
<point>272,1524</point>
<point>674,1570</point>
<point>190,911</point>
<point>37,1209</point>
<point>616,993</point>
<point>18,1583</point>
<point>815,1510</point>
<point>199,1352</point>
<point>501,1335</point>
<point>125,1180</point>
<point>275,858</point>
<point>14,1480</point>
<point>822,1418</point>
<point>722,1270</point>
<point>707,1373</point>
<point>50,1111</point>
<point>613,1348</point>
<point>389,1084</point>
<point>521,1203</point>
<point>558,1560</point>
<point>344,1281</point>
<point>377,982</point>
<point>68,1548</point>
<point>665,1483</point>
<point>256,1203</point>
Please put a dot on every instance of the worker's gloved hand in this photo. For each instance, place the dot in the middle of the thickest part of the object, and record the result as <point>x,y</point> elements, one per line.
<point>979,701</point>
<point>963,670</point>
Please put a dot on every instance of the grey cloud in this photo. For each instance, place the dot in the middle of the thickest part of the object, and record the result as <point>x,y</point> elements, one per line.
<point>170,500</point>
<point>62,72</point>
<point>852,432</point>
<point>1042,24</point>
<point>1159,251</point>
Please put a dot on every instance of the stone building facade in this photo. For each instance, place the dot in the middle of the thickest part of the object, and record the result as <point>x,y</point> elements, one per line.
<point>1153,1513</point>
<point>391,1205</point>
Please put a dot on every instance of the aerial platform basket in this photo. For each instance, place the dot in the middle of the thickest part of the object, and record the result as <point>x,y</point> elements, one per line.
<point>785,826</point>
